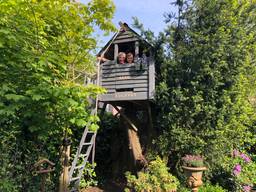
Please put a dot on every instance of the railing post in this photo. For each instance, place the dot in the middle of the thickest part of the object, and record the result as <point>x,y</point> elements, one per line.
<point>116,51</point>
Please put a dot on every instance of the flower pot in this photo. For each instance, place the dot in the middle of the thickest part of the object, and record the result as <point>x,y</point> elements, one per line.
<point>194,176</point>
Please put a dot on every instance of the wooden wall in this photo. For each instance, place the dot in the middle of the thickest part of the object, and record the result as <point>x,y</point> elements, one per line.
<point>124,82</point>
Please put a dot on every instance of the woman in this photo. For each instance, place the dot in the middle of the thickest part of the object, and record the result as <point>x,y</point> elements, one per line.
<point>121,58</point>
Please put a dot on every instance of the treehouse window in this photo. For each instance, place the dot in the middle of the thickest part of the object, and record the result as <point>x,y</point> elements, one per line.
<point>127,47</point>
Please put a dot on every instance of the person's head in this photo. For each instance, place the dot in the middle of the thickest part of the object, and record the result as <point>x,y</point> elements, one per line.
<point>121,58</point>
<point>129,57</point>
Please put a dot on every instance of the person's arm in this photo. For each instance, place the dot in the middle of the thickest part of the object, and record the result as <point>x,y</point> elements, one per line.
<point>103,59</point>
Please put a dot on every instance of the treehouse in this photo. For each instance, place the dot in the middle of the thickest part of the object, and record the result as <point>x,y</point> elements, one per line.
<point>133,81</point>
<point>130,84</point>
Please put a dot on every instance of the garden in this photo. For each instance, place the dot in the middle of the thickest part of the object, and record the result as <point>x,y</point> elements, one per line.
<point>204,107</point>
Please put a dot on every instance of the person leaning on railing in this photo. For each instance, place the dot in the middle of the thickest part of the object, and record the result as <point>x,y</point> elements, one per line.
<point>120,59</point>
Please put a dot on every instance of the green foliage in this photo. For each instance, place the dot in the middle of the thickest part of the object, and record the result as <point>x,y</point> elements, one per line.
<point>206,77</point>
<point>7,183</point>
<point>155,178</point>
<point>89,178</point>
<point>183,189</point>
<point>106,140</point>
<point>242,168</point>
<point>210,188</point>
<point>206,187</point>
<point>46,48</point>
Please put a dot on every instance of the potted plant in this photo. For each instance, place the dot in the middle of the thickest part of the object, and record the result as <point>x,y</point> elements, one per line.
<point>193,166</point>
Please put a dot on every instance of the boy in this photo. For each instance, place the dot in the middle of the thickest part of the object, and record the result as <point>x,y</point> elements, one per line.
<point>129,58</point>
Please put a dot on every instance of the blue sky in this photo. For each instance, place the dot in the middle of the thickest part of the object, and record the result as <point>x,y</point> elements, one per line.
<point>149,12</point>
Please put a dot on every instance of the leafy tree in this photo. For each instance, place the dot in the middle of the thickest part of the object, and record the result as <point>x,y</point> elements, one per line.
<point>46,47</point>
<point>206,77</point>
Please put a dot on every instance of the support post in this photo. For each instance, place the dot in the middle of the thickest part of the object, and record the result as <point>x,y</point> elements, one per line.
<point>64,178</point>
<point>137,49</point>
<point>126,118</point>
<point>133,138</point>
<point>116,52</point>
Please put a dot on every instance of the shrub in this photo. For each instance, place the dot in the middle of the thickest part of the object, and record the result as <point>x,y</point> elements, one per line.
<point>155,178</point>
<point>243,171</point>
<point>211,188</point>
<point>46,48</point>
<point>205,81</point>
<point>89,178</point>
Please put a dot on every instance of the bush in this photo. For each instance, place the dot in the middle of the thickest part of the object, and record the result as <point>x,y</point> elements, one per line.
<point>211,188</point>
<point>155,178</point>
<point>41,95</point>
<point>207,187</point>
<point>205,82</point>
<point>243,171</point>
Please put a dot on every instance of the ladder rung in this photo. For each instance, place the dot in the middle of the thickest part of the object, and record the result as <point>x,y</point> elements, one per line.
<point>74,179</point>
<point>79,167</point>
<point>87,143</point>
<point>92,132</point>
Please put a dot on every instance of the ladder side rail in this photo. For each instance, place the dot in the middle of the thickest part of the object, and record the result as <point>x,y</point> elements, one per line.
<point>78,153</point>
<point>86,159</point>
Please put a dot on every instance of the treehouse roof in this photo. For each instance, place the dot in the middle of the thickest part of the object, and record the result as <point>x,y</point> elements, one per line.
<point>125,35</point>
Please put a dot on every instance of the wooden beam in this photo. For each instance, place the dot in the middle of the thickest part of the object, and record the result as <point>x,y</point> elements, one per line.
<point>116,51</point>
<point>125,118</point>
<point>126,40</point>
<point>103,109</point>
<point>137,49</point>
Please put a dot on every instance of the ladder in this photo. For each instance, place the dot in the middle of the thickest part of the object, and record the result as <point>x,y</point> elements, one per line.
<point>86,149</point>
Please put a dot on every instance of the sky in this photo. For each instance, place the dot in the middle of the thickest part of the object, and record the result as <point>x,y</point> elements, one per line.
<point>149,12</point>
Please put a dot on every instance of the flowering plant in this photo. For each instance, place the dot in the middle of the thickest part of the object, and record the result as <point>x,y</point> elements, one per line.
<point>193,161</point>
<point>243,171</point>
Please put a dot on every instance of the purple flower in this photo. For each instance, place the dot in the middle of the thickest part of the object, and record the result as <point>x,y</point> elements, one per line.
<point>236,153</point>
<point>245,158</point>
<point>247,188</point>
<point>237,169</point>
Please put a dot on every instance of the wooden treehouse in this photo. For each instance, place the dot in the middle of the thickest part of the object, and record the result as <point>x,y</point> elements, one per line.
<point>127,71</point>
<point>129,81</point>
<point>130,86</point>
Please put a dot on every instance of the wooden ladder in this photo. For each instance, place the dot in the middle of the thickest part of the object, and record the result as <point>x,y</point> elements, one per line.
<point>86,148</point>
<point>85,152</point>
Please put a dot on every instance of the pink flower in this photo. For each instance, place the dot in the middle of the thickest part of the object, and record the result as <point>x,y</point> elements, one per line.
<point>247,188</point>
<point>236,153</point>
<point>245,158</point>
<point>237,169</point>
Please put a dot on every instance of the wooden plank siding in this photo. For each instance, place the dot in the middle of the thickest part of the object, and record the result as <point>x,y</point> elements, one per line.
<point>124,96</point>
<point>124,82</point>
